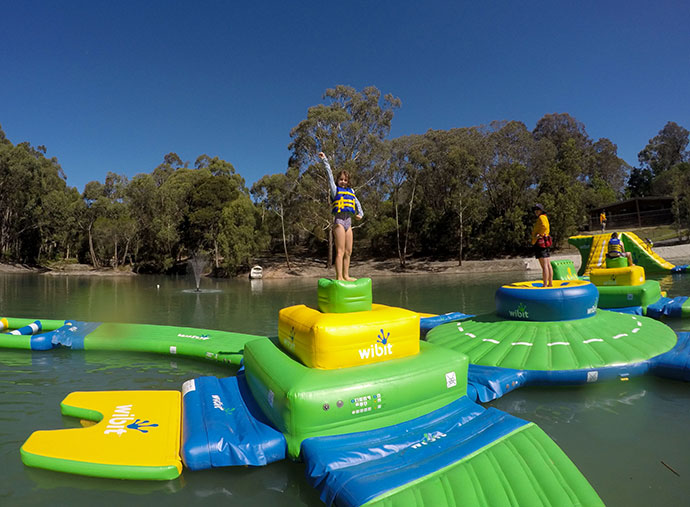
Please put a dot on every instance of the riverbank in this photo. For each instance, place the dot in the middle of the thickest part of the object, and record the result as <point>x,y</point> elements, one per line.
<point>316,268</point>
<point>678,254</point>
<point>65,270</point>
<point>313,268</point>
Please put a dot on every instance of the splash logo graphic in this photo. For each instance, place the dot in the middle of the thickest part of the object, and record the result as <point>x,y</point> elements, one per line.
<point>382,347</point>
<point>194,337</point>
<point>429,438</point>
<point>592,310</point>
<point>289,342</point>
<point>218,404</point>
<point>520,313</point>
<point>119,422</point>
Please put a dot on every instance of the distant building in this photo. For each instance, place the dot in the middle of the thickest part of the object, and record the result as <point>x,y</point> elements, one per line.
<point>638,212</point>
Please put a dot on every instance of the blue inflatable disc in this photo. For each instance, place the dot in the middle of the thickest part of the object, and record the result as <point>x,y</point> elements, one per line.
<point>566,300</point>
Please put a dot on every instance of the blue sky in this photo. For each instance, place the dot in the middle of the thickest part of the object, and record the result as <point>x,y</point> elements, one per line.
<point>114,86</point>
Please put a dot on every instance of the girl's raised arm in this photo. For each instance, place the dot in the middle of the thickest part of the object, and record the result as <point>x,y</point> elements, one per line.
<point>331,181</point>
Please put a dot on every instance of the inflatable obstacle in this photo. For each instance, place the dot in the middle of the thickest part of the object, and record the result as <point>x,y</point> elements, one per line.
<point>399,429</point>
<point>507,350</point>
<point>566,300</point>
<point>339,340</point>
<point>676,362</point>
<point>626,289</point>
<point>137,436</point>
<point>303,402</point>
<point>461,454</point>
<point>223,426</point>
<point>593,252</point>
<point>221,346</point>
<point>564,270</point>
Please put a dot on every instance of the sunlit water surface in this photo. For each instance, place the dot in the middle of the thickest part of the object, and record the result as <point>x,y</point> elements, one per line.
<point>630,439</point>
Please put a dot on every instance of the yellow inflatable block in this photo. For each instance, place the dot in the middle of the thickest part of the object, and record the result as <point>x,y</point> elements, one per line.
<point>137,436</point>
<point>340,340</point>
<point>629,275</point>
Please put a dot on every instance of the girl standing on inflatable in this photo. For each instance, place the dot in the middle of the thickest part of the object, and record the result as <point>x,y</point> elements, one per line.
<point>541,240</point>
<point>344,204</point>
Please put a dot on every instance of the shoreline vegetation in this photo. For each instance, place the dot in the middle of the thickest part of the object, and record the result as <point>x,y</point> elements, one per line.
<point>463,193</point>
<point>316,268</point>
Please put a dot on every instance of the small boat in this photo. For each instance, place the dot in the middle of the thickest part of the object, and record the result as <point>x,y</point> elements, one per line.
<point>256,272</point>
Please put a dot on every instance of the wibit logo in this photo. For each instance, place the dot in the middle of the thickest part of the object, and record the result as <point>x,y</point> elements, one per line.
<point>119,422</point>
<point>194,337</point>
<point>428,438</point>
<point>378,349</point>
<point>218,404</point>
<point>289,342</point>
<point>520,313</point>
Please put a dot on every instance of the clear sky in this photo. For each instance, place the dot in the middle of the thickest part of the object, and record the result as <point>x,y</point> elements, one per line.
<point>115,85</point>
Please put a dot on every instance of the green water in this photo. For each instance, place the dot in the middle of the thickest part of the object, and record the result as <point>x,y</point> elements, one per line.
<point>617,433</point>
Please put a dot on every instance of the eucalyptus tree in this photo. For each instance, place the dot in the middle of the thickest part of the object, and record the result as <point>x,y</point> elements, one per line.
<point>277,194</point>
<point>26,177</point>
<point>567,187</point>
<point>216,187</point>
<point>598,168</point>
<point>109,224</point>
<point>560,128</point>
<point>350,129</point>
<point>396,186</point>
<point>206,199</point>
<point>608,173</point>
<point>449,196</point>
<point>61,210</point>
<point>666,149</point>
<point>510,161</point>
<point>239,239</point>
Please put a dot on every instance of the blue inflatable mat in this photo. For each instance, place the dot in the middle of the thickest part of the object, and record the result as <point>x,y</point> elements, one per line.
<point>491,382</point>
<point>428,323</point>
<point>676,362</point>
<point>71,335</point>
<point>353,469</point>
<point>223,426</point>
<point>629,310</point>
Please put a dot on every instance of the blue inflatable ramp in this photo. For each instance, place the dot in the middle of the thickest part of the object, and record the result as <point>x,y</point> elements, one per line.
<point>223,426</point>
<point>676,362</point>
<point>677,307</point>
<point>461,454</point>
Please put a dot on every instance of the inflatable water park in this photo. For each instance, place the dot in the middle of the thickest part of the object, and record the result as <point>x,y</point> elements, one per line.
<point>382,404</point>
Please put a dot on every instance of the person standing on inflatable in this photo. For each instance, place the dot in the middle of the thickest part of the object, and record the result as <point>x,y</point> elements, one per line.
<point>602,220</point>
<point>541,240</point>
<point>344,204</point>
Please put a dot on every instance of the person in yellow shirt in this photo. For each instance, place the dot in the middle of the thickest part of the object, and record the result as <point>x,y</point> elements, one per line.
<point>602,220</point>
<point>541,231</point>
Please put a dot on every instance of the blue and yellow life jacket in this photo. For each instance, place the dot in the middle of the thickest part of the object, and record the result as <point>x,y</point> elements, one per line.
<point>344,201</point>
<point>615,245</point>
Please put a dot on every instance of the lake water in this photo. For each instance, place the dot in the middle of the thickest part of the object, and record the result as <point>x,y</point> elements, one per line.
<point>627,438</point>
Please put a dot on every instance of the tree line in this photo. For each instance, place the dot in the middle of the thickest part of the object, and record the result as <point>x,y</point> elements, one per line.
<point>463,193</point>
